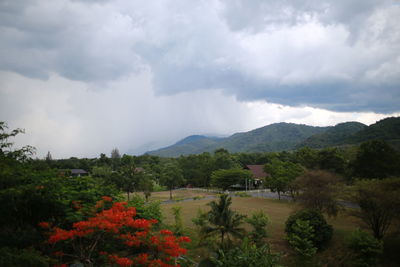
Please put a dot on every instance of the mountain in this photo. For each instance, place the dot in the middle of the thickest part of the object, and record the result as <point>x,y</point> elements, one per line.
<point>335,135</point>
<point>274,137</point>
<point>387,129</point>
<point>288,136</point>
<point>193,144</point>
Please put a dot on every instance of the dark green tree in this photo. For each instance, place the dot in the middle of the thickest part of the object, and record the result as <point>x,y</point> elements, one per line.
<point>282,176</point>
<point>247,254</point>
<point>171,177</point>
<point>379,202</point>
<point>223,221</point>
<point>319,190</point>
<point>301,239</point>
<point>376,159</point>
<point>259,221</point>
<point>226,178</point>
<point>322,230</point>
<point>224,160</point>
<point>115,159</point>
<point>365,249</point>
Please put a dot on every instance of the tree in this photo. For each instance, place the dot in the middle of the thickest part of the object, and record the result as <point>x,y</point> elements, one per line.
<point>307,157</point>
<point>226,178</point>
<point>223,221</point>
<point>247,254</point>
<point>49,159</point>
<point>115,236</point>
<point>259,221</point>
<point>365,249</point>
<point>6,150</point>
<point>115,158</point>
<point>282,175</point>
<point>331,160</point>
<point>223,160</point>
<point>376,159</point>
<point>318,190</point>
<point>129,178</point>
<point>178,227</point>
<point>171,177</point>
<point>147,185</point>
<point>301,239</point>
<point>322,230</point>
<point>379,202</point>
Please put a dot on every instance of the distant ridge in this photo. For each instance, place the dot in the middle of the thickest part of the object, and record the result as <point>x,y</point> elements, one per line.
<point>287,136</point>
<point>333,136</point>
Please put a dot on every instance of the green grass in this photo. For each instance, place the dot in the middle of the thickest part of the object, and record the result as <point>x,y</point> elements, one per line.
<point>278,211</point>
<point>177,195</point>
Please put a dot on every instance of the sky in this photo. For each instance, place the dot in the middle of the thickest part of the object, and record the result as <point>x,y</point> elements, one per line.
<point>85,76</point>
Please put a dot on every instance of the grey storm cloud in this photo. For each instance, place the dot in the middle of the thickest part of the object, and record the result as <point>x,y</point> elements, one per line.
<point>336,55</point>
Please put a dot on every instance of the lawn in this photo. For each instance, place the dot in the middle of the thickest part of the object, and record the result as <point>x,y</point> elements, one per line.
<point>178,195</point>
<point>277,210</point>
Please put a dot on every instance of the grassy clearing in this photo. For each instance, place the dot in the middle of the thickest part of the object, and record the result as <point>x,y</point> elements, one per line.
<point>278,211</point>
<point>177,195</point>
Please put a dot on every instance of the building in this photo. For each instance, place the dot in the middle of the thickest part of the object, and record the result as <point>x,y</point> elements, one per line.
<point>78,173</point>
<point>259,174</point>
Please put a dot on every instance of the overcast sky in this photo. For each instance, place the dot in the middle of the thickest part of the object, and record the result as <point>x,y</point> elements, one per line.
<point>85,76</point>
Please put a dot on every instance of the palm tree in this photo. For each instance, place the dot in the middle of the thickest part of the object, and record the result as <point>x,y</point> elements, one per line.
<point>224,221</point>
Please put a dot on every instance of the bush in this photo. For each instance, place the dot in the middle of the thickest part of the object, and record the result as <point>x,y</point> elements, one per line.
<point>301,239</point>
<point>115,236</point>
<point>247,255</point>
<point>149,210</point>
<point>365,249</point>
<point>22,257</point>
<point>322,230</point>
<point>259,221</point>
<point>242,194</point>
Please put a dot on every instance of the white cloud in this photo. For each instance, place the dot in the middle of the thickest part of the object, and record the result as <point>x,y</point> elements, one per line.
<point>85,76</point>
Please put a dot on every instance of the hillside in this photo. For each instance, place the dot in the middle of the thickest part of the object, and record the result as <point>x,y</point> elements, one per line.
<point>334,136</point>
<point>387,129</point>
<point>288,136</point>
<point>193,144</point>
<point>274,137</point>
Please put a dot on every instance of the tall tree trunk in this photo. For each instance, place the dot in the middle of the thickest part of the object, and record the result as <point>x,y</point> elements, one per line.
<point>279,195</point>
<point>170,193</point>
<point>128,195</point>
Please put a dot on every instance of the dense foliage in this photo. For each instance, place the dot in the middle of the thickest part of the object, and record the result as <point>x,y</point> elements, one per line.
<point>114,236</point>
<point>365,249</point>
<point>247,254</point>
<point>321,230</point>
<point>379,202</point>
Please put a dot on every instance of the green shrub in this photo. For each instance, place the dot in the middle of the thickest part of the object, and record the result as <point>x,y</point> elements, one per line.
<point>259,221</point>
<point>242,194</point>
<point>149,210</point>
<point>301,239</point>
<point>22,257</point>
<point>248,255</point>
<point>365,249</point>
<point>322,230</point>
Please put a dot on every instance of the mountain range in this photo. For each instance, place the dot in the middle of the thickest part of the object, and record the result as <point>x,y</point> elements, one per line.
<point>287,136</point>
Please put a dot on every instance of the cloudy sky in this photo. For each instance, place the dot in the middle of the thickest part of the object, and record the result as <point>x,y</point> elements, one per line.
<point>85,76</point>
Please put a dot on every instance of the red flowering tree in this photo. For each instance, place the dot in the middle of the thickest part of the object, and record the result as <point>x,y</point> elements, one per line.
<point>113,236</point>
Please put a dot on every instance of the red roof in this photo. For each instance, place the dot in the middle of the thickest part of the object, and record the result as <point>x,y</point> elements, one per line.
<point>257,170</point>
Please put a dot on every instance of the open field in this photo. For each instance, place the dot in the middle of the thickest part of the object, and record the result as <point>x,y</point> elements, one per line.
<point>277,210</point>
<point>178,195</point>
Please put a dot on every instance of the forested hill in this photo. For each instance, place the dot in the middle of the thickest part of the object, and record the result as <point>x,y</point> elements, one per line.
<point>288,136</point>
<point>274,137</point>
<point>334,136</point>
